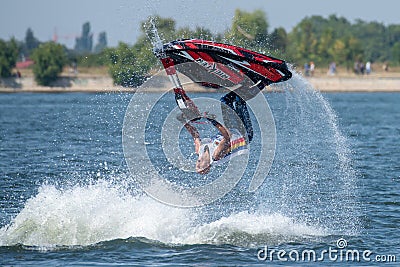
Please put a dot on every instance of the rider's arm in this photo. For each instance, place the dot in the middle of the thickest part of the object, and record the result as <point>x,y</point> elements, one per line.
<point>224,146</point>
<point>195,134</point>
<point>192,130</point>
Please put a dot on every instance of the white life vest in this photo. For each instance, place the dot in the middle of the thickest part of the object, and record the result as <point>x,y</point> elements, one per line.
<point>238,146</point>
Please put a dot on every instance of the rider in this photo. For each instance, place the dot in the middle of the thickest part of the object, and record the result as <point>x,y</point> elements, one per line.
<point>219,65</point>
<point>230,141</point>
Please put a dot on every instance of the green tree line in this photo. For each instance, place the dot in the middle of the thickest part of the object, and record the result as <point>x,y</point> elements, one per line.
<point>318,39</point>
<point>49,57</point>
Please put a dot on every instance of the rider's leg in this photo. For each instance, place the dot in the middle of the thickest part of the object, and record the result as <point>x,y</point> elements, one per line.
<point>244,115</point>
<point>232,102</point>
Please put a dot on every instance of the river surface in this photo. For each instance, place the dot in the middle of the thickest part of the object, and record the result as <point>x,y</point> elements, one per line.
<point>67,197</point>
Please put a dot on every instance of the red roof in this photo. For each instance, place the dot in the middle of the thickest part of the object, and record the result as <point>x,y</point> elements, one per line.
<point>24,64</point>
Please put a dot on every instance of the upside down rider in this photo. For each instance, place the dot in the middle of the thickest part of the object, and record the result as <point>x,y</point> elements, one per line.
<point>244,72</point>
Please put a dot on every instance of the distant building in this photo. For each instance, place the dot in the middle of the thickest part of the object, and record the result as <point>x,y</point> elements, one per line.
<point>24,64</point>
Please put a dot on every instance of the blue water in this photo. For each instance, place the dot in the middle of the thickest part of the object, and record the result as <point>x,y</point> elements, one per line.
<point>67,197</point>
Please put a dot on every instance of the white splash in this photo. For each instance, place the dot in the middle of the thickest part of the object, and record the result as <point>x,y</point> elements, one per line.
<point>154,37</point>
<point>85,215</point>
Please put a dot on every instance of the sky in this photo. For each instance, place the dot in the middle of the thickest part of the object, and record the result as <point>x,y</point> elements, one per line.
<point>121,19</point>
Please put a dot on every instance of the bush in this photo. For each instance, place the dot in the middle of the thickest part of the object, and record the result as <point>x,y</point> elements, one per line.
<point>128,66</point>
<point>8,57</point>
<point>91,60</point>
<point>396,52</point>
<point>49,59</point>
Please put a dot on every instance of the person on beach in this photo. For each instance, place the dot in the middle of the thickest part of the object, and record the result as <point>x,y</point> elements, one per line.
<point>332,69</point>
<point>368,67</point>
<point>306,69</point>
<point>312,68</point>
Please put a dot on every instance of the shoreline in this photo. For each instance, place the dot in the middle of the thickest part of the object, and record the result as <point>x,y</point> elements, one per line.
<point>103,84</point>
<point>355,84</point>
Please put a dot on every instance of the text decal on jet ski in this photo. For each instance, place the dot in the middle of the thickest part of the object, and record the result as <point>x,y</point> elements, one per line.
<point>212,68</point>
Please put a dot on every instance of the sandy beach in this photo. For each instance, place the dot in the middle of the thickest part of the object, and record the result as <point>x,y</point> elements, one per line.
<point>356,84</point>
<point>377,82</point>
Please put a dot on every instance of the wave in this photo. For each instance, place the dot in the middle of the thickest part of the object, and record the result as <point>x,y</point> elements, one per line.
<point>103,211</point>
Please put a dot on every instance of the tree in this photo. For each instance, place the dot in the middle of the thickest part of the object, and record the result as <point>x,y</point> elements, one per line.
<point>30,41</point>
<point>249,30</point>
<point>279,39</point>
<point>302,41</point>
<point>396,52</point>
<point>334,39</point>
<point>374,39</point>
<point>325,44</point>
<point>338,51</point>
<point>84,43</point>
<point>202,33</point>
<point>355,50</point>
<point>49,59</point>
<point>8,57</point>
<point>129,65</point>
<point>121,63</point>
<point>102,43</point>
<point>156,25</point>
<point>393,34</point>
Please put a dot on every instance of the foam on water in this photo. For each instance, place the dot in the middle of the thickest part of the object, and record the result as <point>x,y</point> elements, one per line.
<point>84,215</point>
<point>252,229</point>
<point>89,214</point>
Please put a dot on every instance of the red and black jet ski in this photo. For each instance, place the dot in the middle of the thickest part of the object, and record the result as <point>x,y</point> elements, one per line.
<point>218,65</point>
